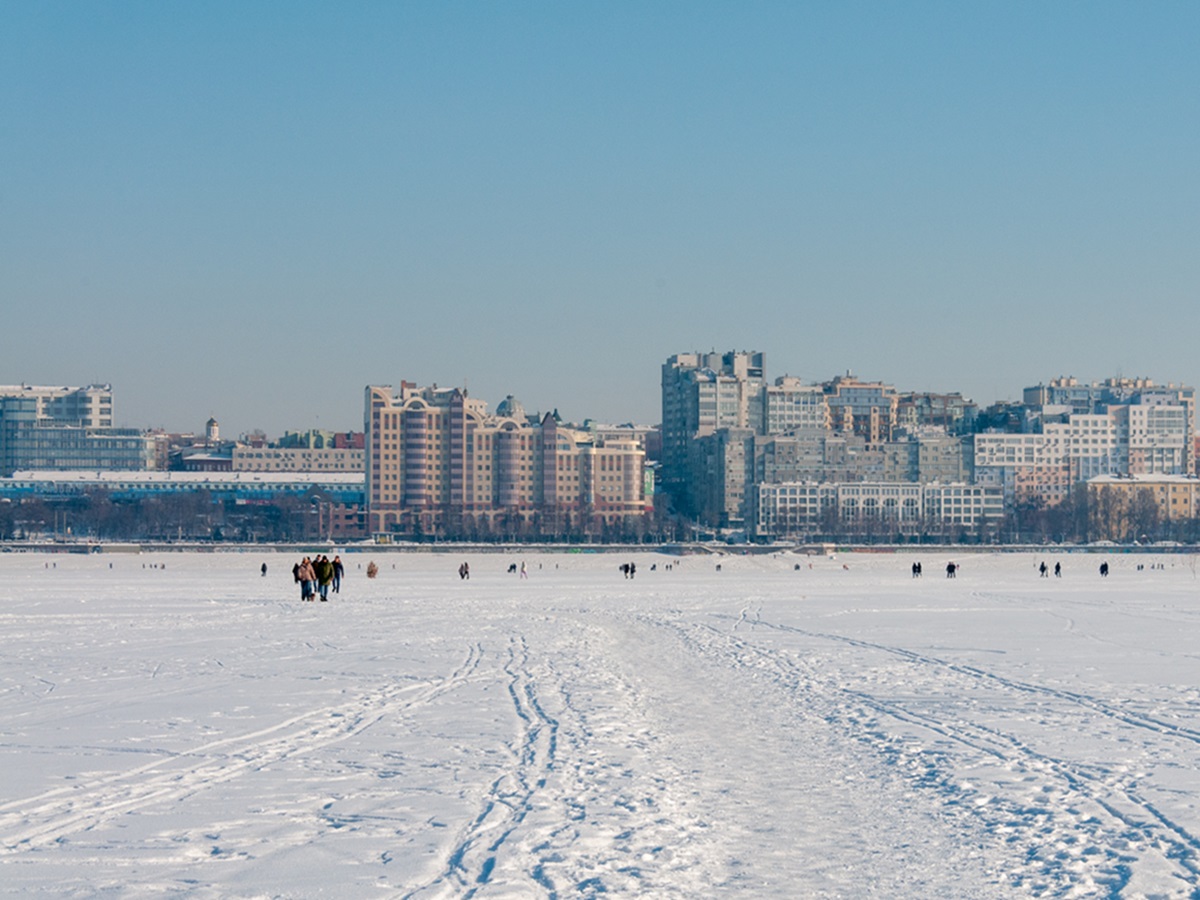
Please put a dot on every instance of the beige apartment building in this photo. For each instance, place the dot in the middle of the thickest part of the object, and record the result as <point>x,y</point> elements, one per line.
<point>1175,496</point>
<point>866,408</point>
<point>438,463</point>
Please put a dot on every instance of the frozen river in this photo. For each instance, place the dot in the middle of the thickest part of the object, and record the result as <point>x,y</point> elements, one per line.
<point>179,725</point>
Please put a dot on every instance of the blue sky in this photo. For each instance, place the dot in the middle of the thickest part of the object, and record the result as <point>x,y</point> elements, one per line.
<point>253,210</point>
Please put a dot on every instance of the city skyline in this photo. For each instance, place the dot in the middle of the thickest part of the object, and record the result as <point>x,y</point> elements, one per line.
<point>198,427</point>
<point>252,213</point>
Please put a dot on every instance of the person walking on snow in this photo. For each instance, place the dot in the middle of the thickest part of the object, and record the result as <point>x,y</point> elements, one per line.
<point>324,571</point>
<point>338,571</point>
<point>307,577</point>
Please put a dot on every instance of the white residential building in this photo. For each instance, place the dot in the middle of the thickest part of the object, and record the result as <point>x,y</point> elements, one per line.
<point>802,509</point>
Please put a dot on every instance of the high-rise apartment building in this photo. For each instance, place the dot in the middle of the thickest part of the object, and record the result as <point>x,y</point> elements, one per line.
<point>701,393</point>
<point>1155,425</point>
<point>1072,433</point>
<point>438,462</point>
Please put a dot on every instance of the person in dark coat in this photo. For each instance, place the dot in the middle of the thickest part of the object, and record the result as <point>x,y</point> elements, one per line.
<point>324,572</point>
<point>338,571</point>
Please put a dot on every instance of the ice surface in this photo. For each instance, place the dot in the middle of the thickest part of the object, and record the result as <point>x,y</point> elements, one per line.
<point>179,725</point>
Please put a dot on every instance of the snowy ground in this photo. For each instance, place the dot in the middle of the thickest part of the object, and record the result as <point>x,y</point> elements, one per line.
<point>759,731</point>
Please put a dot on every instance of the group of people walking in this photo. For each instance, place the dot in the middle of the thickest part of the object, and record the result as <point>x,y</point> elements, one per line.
<point>317,576</point>
<point>951,569</point>
<point>1043,570</point>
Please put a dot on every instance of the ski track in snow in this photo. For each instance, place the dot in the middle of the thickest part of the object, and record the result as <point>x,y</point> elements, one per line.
<point>759,732</point>
<point>48,818</point>
<point>1093,819</point>
<point>509,798</point>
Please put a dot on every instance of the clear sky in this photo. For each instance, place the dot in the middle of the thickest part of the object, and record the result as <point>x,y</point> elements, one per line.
<point>252,210</point>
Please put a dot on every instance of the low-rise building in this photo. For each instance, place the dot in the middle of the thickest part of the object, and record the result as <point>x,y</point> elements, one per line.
<point>297,459</point>
<point>332,503</point>
<point>1128,505</point>
<point>802,510</point>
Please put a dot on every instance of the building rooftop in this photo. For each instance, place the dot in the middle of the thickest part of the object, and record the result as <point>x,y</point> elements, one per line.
<point>91,476</point>
<point>1144,479</point>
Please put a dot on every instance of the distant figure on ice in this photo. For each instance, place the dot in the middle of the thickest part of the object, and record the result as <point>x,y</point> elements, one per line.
<point>464,572</point>
<point>1058,570</point>
<point>512,568</point>
<point>632,569</point>
<point>372,570</point>
<point>1103,570</point>
<point>524,571</point>
<point>264,570</point>
<point>338,571</point>
<point>624,569</point>
<point>1042,569</point>
<point>916,570</point>
<point>951,570</point>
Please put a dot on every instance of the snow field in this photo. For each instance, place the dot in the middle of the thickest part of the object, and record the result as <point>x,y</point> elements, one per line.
<point>178,725</point>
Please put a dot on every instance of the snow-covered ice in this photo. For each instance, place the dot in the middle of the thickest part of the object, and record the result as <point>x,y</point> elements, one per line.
<point>179,725</point>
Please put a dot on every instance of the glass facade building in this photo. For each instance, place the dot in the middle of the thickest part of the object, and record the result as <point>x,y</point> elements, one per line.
<point>66,428</point>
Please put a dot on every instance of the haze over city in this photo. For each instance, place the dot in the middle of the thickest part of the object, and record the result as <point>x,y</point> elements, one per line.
<point>254,212</point>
